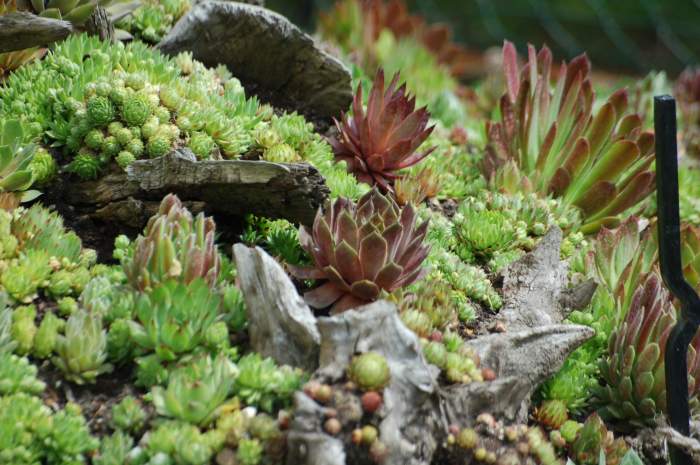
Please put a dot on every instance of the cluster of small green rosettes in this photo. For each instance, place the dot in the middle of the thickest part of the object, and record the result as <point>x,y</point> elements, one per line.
<point>496,229</point>
<point>27,266</point>
<point>279,238</point>
<point>122,119</point>
<point>31,433</point>
<point>469,281</point>
<point>154,18</point>
<point>457,361</point>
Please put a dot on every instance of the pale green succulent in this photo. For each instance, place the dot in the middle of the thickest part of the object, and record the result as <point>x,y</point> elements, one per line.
<point>262,383</point>
<point>8,242</point>
<point>7,344</point>
<point>82,351</point>
<point>17,374</point>
<point>182,443</point>
<point>15,159</point>
<point>173,319</point>
<point>30,433</point>
<point>47,335</point>
<point>249,452</point>
<point>481,233</point>
<point>77,12</point>
<point>196,391</point>
<point>128,415</point>
<point>25,274</point>
<point>23,328</point>
<point>114,449</point>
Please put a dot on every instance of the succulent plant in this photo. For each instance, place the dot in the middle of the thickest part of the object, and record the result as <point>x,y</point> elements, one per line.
<point>634,375</point>
<point>23,329</point>
<point>377,144</point>
<point>362,250</point>
<point>690,254</point>
<point>17,374</point>
<point>174,246</point>
<point>552,414</point>
<point>201,144</point>
<point>482,233</point>
<point>15,159</point>
<point>114,449</point>
<point>43,229</point>
<point>47,335</point>
<point>356,25</point>
<point>196,391</point>
<point>249,452</point>
<point>128,415</point>
<point>594,438</point>
<point>152,20</point>
<point>86,166</point>
<point>75,12</point>
<point>281,153</point>
<point>548,141</point>
<point>30,433</point>
<point>370,371</point>
<point>687,93</point>
<point>82,351</point>
<point>174,318</point>
<point>621,257</point>
<point>8,242</point>
<point>7,344</point>
<point>417,187</point>
<point>181,443</point>
<point>262,383</point>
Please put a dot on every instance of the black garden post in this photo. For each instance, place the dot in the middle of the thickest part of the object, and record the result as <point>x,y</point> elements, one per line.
<point>672,272</point>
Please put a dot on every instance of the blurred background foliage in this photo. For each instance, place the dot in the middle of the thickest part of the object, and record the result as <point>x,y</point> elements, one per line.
<point>632,36</point>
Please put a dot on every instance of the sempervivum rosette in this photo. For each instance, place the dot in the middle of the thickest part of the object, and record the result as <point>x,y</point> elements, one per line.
<point>380,142</point>
<point>361,250</point>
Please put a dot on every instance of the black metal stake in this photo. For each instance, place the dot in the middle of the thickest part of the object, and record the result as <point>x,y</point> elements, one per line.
<point>672,272</point>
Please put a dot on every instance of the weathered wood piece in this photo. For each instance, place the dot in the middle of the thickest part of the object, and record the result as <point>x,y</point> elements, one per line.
<point>99,24</point>
<point>20,30</point>
<point>122,202</point>
<point>234,187</point>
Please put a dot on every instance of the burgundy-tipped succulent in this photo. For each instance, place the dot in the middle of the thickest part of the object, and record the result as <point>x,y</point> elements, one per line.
<point>549,141</point>
<point>380,142</point>
<point>634,372</point>
<point>361,250</point>
<point>174,245</point>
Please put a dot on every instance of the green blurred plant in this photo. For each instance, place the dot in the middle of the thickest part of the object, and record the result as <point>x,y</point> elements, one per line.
<point>174,246</point>
<point>81,353</point>
<point>173,318</point>
<point>260,382</point>
<point>196,391</point>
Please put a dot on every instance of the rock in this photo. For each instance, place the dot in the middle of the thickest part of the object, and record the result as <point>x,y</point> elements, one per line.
<point>503,398</point>
<point>408,427</point>
<point>270,55</point>
<point>280,324</point>
<point>307,444</point>
<point>522,361</point>
<point>534,287</point>
<point>20,30</point>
